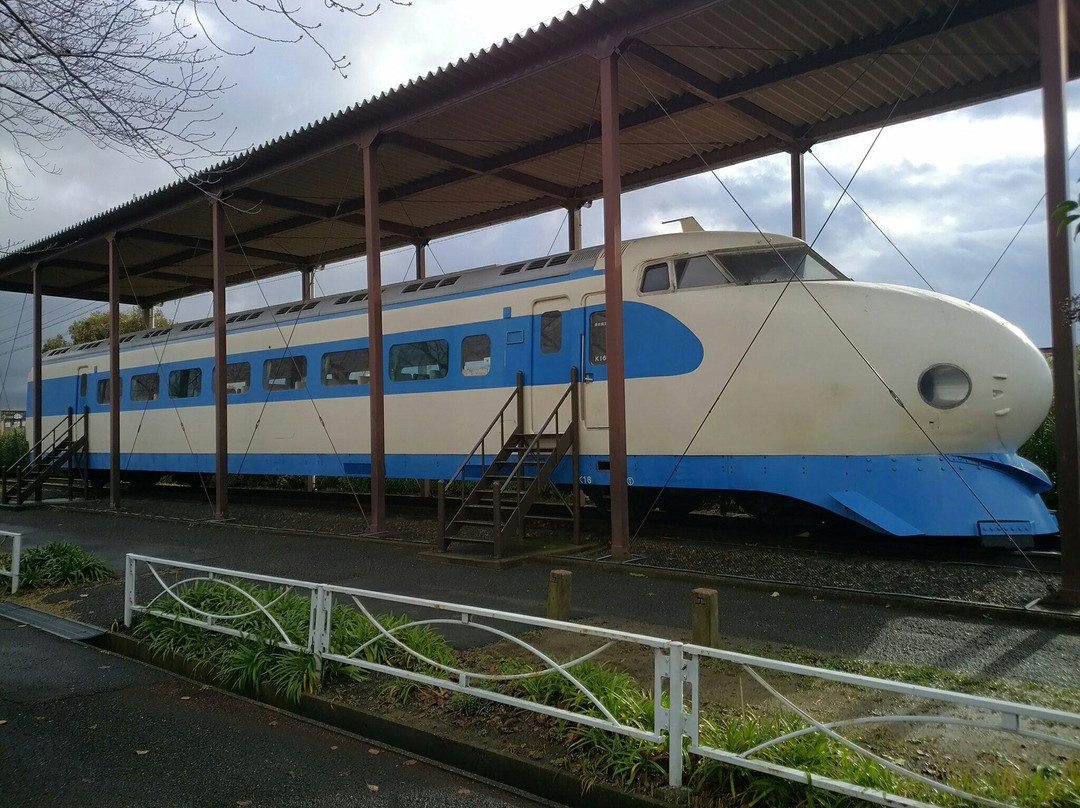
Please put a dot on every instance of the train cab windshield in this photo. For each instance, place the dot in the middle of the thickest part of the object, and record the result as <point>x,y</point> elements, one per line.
<point>777,264</point>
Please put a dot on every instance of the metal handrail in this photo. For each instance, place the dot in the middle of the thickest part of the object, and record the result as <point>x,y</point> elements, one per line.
<point>534,444</point>
<point>480,444</point>
<point>41,442</point>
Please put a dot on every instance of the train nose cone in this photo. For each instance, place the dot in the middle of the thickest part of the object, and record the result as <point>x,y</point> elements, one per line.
<point>1021,387</point>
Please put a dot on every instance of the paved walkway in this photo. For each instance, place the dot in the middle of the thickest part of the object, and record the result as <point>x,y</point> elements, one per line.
<point>81,727</point>
<point>875,632</point>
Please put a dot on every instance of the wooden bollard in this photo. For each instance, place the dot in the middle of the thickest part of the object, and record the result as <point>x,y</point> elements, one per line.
<point>558,600</point>
<point>705,618</point>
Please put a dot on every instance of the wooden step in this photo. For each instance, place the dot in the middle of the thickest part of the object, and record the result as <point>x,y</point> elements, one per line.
<point>469,540</point>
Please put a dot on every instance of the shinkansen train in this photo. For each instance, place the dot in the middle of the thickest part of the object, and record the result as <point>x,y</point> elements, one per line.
<point>753,366</point>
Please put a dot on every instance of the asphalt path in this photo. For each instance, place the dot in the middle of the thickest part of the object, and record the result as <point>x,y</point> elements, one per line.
<point>970,644</point>
<point>81,727</point>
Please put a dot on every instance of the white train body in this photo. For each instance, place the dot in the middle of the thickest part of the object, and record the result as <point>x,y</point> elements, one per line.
<point>807,409</point>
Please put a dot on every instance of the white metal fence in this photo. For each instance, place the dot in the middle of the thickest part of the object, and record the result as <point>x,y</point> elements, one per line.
<point>677,672</point>
<point>12,570</point>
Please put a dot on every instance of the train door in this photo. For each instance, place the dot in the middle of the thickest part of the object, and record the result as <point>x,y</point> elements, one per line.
<point>594,363</point>
<point>555,341</point>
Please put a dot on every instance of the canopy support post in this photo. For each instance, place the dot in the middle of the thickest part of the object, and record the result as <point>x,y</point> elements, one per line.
<point>421,259</point>
<point>37,360</point>
<point>372,247</point>
<point>573,226</point>
<point>147,317</point>
<point>307,292</point>
<point>114,372</point>
<point>1054,59</point>
<point>613,303</point>
<point>221,375</point>
<point>798,195</point>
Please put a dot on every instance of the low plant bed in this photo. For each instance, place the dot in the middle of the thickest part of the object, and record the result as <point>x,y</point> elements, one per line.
<point>737,712</point>
<point>56,565</point>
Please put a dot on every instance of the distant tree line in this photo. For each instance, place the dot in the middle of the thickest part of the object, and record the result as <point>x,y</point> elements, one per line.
<point>96,326</point>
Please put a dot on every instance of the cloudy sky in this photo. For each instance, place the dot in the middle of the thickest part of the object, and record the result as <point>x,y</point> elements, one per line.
<point>950,192</point>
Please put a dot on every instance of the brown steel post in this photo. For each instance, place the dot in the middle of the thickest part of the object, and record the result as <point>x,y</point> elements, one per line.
<point>575,414</point>
<point>71,453</point>
<point>573,225</point>
<point>613,303</point>
<point>36,348</point>
<point>307,292</point>
<point>798,195</point>
<point>147,316</point>
<point>372,248</point>
<point>421,260</point>
<point>86,453</point>
<point>1054,55</point>
<point>114,372</point>
<point>221,368</point>
<point>496,519</point>
<point>520,404</point>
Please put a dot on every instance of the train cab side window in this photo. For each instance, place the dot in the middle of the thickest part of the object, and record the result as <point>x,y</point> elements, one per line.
<point>701,270</point>
<point>289,373</point>
<point>145,387</point>
<point>103,392</point>
<point>551,332</point>
<point>186,383</point>
<point>345,367</point>
<point>476,355</point>
<point>416,361</point>
<point>655,278</point>
<point>82,385</point>
<point>598,338</point>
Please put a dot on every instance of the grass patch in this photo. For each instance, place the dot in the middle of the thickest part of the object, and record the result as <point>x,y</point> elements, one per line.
<point>56,564</point>
<point>243,664</point>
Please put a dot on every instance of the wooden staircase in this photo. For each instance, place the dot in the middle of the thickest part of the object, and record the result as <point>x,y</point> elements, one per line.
<point>64,450</point>
<point>509,482</point>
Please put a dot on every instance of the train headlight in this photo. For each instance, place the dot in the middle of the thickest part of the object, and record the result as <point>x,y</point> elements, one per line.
<point>944,386</point>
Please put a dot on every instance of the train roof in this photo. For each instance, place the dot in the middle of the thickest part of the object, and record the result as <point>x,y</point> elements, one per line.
<point>447,285</point>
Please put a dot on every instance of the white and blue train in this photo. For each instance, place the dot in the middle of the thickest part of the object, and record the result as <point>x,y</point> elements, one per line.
<point>806,417</point>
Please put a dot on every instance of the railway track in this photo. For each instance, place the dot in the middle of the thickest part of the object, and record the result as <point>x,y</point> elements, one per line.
<point>738,533</point>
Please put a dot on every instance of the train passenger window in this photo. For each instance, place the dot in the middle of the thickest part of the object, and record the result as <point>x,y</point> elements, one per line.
<point>345,367</point>
<point>238,377</point>
<point>598,338</point>
<point>103,392</point>
<point>698,271</point>
<point>186,383</point>
<point>289,373</point>
<point>145,386</point>
<point>82,385</point>
<point>419,360</point>
<point>655,278</point>
<point>476,355</point>
<point>551,332</point>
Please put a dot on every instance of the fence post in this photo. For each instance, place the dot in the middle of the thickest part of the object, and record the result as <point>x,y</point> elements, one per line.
<point>675,715</point>
<point>558,599</point>
<point>318,635</point>
<point>16,552</point>
<point>705,618</point>
<point>129,589</point>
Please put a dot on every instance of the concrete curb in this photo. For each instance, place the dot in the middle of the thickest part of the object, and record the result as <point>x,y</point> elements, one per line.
<point>524,775</point>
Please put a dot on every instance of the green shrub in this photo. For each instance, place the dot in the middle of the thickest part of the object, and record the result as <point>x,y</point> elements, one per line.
<point>13,446</point>
<point>59,564</point>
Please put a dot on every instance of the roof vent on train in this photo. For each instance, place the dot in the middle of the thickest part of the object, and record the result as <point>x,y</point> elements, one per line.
<point>297,307</point>
<point>196,325</point>
<point>90,345</point>
<point>161,332</point>
<point>239,318</point>
<point>547,261</point>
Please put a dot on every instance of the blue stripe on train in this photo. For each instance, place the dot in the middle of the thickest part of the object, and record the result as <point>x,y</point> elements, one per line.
<point>902,495</point>
<point>671,349</point>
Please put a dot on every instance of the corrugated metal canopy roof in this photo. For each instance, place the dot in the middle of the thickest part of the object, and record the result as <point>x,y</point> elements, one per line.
<point>513,130</point>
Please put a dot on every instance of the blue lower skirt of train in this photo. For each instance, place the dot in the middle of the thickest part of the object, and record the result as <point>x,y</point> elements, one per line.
<point>902,495</point>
